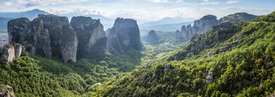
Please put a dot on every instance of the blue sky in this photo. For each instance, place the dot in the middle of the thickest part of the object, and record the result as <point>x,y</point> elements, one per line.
<point>149,10</point>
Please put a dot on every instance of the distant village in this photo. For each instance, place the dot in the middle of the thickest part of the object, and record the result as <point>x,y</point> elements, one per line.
<point>3,42</point>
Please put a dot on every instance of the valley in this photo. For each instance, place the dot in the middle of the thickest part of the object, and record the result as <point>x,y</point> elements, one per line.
<point>56,56</point>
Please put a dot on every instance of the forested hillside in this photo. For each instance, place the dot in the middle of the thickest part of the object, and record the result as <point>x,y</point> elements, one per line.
<point>245,70</point>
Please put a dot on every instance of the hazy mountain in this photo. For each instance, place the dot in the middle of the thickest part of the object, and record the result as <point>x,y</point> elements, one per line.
<point>6,16</point>
<point>168,20</point>
<point>3,24</point>
<point>164,27</point>
<point>166,24</point>
<point>30,14</point>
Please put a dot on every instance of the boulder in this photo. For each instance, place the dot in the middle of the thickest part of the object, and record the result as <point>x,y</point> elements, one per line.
<point>167,67</point>
<point>144,75</point>
<point>176,56</point>
<point>31,49</point>
<point>210,54</point>
<point>6,91</point>
<point>18,50</point>
<point>209,78</point>
<point>118,75</point>
<point>223,49</point>
<point>8,53</point>
<point>11,52</point>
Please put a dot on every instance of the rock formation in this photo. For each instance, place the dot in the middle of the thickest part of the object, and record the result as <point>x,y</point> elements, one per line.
<point>194,37</point>
<point>152,37</point>
<point>206,23</point>
<point>209,78</point>
<point>11,52</point>
<point>167,67</point>
<point>17,28</point>
<point>6,91</point>
<point>49,35</point>
<point>124,34</point>
<point>90,35</point>
<point>176,56</point>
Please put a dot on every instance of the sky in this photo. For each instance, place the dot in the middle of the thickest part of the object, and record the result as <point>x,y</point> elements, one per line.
<point>149,10</point>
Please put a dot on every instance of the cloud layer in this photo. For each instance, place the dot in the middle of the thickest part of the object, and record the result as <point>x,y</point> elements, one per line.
<point>140,9</point>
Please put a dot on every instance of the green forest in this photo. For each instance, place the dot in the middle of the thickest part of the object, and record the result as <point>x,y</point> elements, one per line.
<point>247,70</point>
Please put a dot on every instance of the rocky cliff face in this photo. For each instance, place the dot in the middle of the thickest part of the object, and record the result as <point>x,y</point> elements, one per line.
<point>152,37</point>
<point>49,35</point>
<point>90,34</point>
<point>124,34</point>
<point>199,44</point>
<point>237,17</point>
<point>11,52</point>
<point>17,29</point>
<point>205,23</point>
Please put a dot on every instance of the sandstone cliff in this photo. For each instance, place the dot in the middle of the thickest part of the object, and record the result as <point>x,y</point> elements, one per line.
<point>124,34</point>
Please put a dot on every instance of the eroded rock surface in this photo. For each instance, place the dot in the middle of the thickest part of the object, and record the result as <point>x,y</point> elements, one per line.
<point>209,78</point>
<point>11,52</point>
<point>90,35</point>
<point>49,35</point>
<point>167,67</point>
<point>125,32</point>
<point>6,91</point>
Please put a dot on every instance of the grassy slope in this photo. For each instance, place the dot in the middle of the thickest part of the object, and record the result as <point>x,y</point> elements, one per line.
<point>245,71</point>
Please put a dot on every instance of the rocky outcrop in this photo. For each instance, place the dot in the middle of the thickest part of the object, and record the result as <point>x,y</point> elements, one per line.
<point>6,91</point>
<point>11,52</point>
<point>194,37</point>
<point>237,17</point>
<point>49,35</point>
<point>209,78</point>
<point>200,26</point>
<point>17,28</point>
<point>124,34</point>
<point>91,35</point>
<point>167,67</point>
<point>210,54</point>
<point>152,37</point>
<point>206,23</point>
<point>118,75</point>
<point>176,56</point>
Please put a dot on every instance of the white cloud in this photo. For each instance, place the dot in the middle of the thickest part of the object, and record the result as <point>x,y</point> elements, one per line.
<point>231,2</point>
<point>159,1</point>
<point>205,0</point>
<point>211,3</point>
<point>179,1</point>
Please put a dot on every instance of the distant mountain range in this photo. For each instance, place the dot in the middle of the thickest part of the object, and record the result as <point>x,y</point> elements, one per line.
<point>6,16</point>
<point>166,24</point>
<point>31,14</point>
